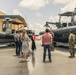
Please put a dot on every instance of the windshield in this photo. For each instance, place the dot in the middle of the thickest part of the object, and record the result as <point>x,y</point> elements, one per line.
<point>6,27</point>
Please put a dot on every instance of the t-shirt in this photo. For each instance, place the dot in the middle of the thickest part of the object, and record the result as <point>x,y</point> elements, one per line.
<point>47,38</point>
<point>17,37</point>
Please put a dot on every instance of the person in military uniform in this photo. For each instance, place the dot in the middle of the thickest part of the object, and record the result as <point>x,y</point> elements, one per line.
<point>52,45</point>
<point>71,44</point>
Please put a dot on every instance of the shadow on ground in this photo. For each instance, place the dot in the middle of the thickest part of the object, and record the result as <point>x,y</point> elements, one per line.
<point>62,48</point>
<point>6,46</point>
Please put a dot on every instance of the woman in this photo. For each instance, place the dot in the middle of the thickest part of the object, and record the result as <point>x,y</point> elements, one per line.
<point>25,45</point>
<point>33,42</point>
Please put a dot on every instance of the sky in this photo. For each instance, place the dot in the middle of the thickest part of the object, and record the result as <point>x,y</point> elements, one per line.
<point>37,12</point>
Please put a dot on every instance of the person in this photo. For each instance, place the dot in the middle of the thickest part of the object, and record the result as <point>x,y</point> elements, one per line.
<point>46,41</point>
<point>33,38</point>
<point>20,43</point>
<point>17,42</point>
<point>25,45</point>
<point>71,44</point>
<point>52,45</point>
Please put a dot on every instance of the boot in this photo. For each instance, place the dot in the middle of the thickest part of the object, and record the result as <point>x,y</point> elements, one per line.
<point>71,56</point>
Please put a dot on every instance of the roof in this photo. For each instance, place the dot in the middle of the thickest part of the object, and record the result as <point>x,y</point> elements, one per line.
<point>13,16</point>
<point>10,16</point>
<point>2,13</point>
<point>67,14</point>
<point>14,22</point>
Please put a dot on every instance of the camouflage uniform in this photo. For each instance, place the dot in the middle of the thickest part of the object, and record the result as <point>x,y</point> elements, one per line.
<point>72,44</point>
<point>52,46</point>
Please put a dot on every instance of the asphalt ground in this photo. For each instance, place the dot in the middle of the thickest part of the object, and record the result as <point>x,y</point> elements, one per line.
<point>61,64</point>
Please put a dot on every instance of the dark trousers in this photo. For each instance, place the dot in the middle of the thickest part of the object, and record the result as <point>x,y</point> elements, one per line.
<point>33,45</point>
<point>18,47</point>
<point>47,47</point>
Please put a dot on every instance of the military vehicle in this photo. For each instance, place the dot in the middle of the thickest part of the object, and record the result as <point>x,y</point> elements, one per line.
<point>61,34</point>
<point>7,34</point>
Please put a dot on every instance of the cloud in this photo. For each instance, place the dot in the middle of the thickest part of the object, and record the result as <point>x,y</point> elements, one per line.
<point>54,18</point>
<point>38,14</point>
<point>61,1</point>
<point>69,6</point>
<point>37,27</point>
<point>33,4</point>
<point>17,12</point>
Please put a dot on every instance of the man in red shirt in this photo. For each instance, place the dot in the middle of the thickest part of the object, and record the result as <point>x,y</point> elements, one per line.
<point>46,41</point>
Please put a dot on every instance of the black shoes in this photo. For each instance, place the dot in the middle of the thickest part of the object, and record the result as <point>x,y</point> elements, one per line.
<point>49,60</point>
<point>43,60</point>
<point>71,56</point>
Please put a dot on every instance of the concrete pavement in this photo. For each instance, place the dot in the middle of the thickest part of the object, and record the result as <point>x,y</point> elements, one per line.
<point>61,63</point>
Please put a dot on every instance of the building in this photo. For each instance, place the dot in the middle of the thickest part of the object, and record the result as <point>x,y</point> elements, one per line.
<point>18,21</point>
